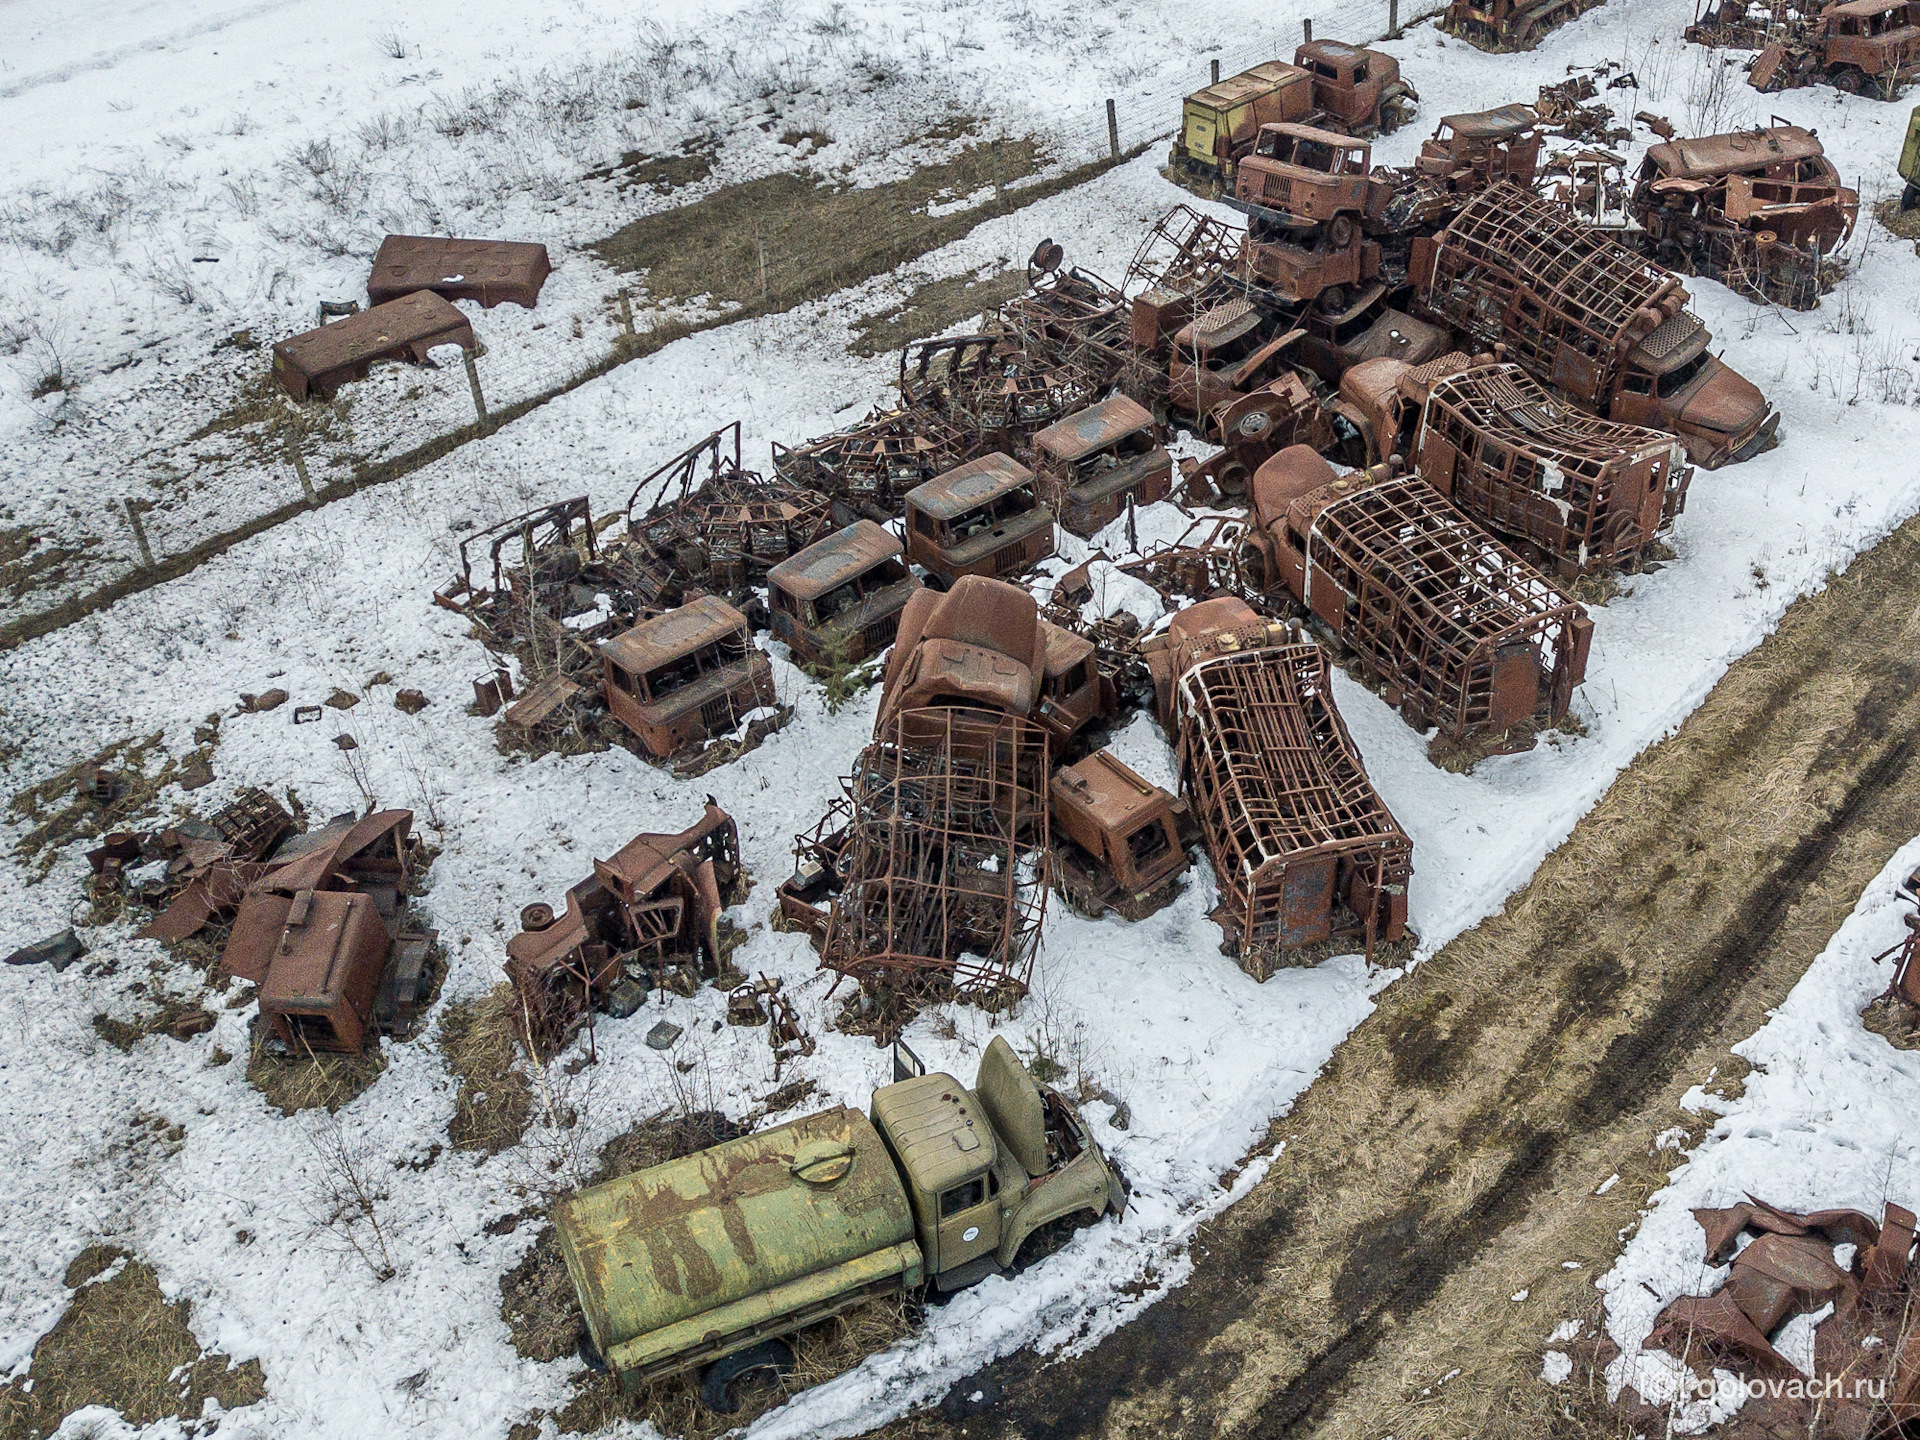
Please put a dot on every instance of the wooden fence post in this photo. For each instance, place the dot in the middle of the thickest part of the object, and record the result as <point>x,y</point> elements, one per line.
<point>1393,19</point>
<point>1113,131</point>
<point>139,531</point>
<point>1216,72</point>
<point>473,384</point>
<point>1306,31</point>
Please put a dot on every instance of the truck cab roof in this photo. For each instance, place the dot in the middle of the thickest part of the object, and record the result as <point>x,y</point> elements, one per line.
<point>938,1129</point>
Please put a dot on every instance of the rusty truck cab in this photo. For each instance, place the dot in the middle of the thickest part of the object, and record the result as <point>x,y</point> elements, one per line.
<point>1303,177</point>
<point>979,645</point>
<point>682,677</point>
<point>839,600</point>
<point>1776,180</point>
<point>1872,44</point>
<point>1117,838</point>
<point>1469,153</point>
<point>981,518</point>
<point>1368,329</point>
<point>1359,89</point>
<point>1670,382</point>
<point>1227,353</point>
<point>1073,692</point>
<point>1089,465</point>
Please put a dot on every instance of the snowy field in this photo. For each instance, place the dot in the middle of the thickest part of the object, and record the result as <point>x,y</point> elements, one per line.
<point>1825,1121</point>
<point>1202,1055</point>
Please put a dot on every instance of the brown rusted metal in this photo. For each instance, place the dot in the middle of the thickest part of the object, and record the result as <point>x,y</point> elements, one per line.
<point>1587,317</point>
<point>650,909</point>
<point>1116,839</point>
<point>945,859</point>
<point>869,468</point>
<point>1509,24</point>
<point>1355,90</point>
<point>982,644</point>
<point>1464,634</point>
<point>1303,848</point>
<point>839,600</point>
<point>1864,47</point>
<point>1075,689</point>
<point>686,676</point>
<point>1199,564</point>
<point>1761,211</point>
<point>1466,154</point>
<point>806,896</point>
<point>1789,1268</point>
<point>1088,467</point>
<point>319,927</point>
<point>1368,329</point>
<point>320,361</point>
<point>982,518</point>
<point>1583,494</point>
<point>1218,124</point>
<point>488,271</point>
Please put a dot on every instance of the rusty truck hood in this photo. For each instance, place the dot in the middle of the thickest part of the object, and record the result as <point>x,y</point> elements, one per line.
<point>1723,405</point>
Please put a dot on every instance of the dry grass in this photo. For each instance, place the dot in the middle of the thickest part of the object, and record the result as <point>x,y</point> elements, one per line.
<point>786,238</point>
<point>480,1039</point>
<point>1895,221</point>
<point>59,811</point>
<point>933,307</point>
<point>121,1345</point>
<point>673,1406</point>
<point>1895,1019</point>
<point>30,560</point>
<point>315,1080</point>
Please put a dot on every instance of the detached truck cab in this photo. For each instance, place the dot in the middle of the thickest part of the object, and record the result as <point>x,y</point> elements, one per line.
<point>704,1262</point>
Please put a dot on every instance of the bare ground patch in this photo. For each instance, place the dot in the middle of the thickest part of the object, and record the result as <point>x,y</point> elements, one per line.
<point>121,1345</point>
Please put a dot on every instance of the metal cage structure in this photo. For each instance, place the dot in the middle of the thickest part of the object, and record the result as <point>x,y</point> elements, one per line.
<point>1565,299</point>
<point>869,467</point>
<point>943,874</point>
<point>1467,634</point>
<point>1590,494</point>
<point>1303,847</point>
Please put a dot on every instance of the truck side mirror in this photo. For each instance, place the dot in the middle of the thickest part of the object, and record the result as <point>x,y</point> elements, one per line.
<point>906,1064</point>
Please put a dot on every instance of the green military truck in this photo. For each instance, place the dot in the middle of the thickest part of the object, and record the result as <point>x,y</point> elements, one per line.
<point>703,1263</point>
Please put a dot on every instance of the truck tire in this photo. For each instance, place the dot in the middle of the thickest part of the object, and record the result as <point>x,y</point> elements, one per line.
<point>590,1356</point>
<point>720,1385</point>
<point>1910,197</point>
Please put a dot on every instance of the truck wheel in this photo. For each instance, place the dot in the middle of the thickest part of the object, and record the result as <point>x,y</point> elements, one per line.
<point>720,1387</point>
<point>590,1356</point>
<point>1910,197</point>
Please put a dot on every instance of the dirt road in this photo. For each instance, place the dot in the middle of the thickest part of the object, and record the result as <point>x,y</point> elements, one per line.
<point>1447,1158</point>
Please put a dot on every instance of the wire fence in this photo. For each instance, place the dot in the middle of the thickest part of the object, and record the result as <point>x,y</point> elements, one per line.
<point>234,456</point>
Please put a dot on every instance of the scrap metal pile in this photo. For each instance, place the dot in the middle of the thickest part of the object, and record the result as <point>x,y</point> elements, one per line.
<point>1762,211</point>
<point>1864,47</point>
<point>1864,1376</point>
<point>1328,324</point>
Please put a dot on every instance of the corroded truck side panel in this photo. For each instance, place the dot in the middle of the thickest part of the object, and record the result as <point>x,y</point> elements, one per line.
<point>688,1261</point>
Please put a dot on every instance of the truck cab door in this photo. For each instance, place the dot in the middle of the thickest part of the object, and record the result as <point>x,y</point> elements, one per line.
<point>968,1221</point>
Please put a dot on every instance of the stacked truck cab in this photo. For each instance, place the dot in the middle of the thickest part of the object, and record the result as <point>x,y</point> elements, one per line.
<point>982,518</point>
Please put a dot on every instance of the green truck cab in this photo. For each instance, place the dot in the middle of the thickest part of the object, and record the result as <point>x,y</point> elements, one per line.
<point>706,1261</point>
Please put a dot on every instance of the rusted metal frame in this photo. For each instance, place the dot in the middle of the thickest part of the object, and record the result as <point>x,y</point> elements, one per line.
<point>940,793</point>
<point>1183,251</point>
<point>1578,279</point>
<point>1200,563</point>
<point>1487,408</point>
<point>561,514</point>
<point>1434,597</point>
<point>681,471</point>
<point>1276,781</point>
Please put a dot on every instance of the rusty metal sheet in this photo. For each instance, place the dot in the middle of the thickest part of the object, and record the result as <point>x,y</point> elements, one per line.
<point>1885,1263</point>
<point>320,361</point>
<point>981,643</point>
<point>540,702</point>
<point>1714,1324</point>
<point>488,271</point>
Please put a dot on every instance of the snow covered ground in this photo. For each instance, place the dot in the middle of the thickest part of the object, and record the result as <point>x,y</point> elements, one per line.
<point>1825,1121</point>
<point>1202,1055</point>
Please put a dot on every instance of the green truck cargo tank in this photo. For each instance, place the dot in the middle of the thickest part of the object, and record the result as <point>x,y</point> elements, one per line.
<point>807,1217</point>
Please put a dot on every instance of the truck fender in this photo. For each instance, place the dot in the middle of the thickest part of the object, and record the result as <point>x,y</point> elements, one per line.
<point>1085,1184</point>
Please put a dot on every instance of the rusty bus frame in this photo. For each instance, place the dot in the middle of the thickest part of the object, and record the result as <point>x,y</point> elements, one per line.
<point>944,868</point>
<point>1304,849</point>
<point>867,469</point>
<point>1588,494</point>
<point>1466,635</point>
